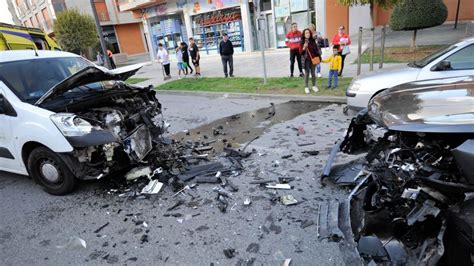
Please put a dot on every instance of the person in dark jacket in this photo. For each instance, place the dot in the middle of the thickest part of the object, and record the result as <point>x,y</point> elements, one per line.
<point>309,50</point>
<point>226,50</point>
<point>184,49</point>
<point>293,40</point>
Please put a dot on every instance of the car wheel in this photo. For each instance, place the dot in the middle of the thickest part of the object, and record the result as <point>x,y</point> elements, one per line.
<point>50,171</point>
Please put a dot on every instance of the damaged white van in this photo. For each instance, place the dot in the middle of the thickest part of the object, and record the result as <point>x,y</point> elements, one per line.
<point>62,118</point>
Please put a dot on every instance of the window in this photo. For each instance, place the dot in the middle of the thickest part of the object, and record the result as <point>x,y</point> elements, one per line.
<point>462,59</point>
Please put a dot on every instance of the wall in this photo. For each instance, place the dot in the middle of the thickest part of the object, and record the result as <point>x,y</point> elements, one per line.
<point>466,9</point>
<point>382,16</point>
<point>359,16</point>
<point>130,38</point>
<point>336,15</point>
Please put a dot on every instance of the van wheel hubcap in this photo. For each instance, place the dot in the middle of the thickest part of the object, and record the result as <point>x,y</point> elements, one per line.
<point>50,172</point>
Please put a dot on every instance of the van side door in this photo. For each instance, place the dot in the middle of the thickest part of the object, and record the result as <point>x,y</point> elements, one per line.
<point>9,157</point>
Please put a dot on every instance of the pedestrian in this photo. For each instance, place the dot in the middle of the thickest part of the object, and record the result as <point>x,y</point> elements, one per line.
<point>164,58</point>
<point>310,58</point>
<point>100,59</point>
<point>195,56</point>
<point>111,59</point>
<point>226,50</point>
<point>184,49</point>
<point>335,66</point>
<point>293,41</point>
<point>179,60</point>
<point>343,40</point>
<point>318,38</point>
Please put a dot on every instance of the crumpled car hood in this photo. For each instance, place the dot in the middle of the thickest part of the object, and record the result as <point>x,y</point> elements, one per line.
<point>437,106</point>
<point>89,75</point>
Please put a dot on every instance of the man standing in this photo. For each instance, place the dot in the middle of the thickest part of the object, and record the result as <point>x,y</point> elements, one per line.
<point>195,56</point>
<point>111,59</point>
<point>164,58</point>
<point>226,49</point>
<point>293,41</point>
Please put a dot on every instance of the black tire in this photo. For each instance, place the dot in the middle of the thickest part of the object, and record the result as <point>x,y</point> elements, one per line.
<point>43,159</point>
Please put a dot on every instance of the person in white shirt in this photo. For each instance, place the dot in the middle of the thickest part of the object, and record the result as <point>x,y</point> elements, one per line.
<point>164,58</point>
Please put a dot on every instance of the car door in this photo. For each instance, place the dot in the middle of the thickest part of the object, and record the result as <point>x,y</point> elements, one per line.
<point>9,160</point>
<point>456,63</point>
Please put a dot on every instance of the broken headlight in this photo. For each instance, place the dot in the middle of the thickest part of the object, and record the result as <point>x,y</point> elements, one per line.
<point>71,125</point>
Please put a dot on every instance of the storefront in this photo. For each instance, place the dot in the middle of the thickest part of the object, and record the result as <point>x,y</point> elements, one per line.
<point>208,29</point>
<point>287,12</point>
<point>166,26</point>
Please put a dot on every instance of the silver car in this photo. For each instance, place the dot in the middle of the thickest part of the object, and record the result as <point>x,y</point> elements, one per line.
<point>453,61</point>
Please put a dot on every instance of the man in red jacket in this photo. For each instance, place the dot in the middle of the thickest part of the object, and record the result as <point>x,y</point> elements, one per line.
<point>293,41</point>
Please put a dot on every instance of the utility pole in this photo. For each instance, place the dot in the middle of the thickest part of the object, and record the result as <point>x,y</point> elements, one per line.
<point>457,15</point>
<point>101,36</point>
<point>261,31</point>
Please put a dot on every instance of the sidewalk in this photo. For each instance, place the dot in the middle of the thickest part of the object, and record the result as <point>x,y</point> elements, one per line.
<point>249,64</point>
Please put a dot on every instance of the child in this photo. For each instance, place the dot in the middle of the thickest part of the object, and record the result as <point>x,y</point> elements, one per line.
<point>335,63</point>
<point>179,60</point>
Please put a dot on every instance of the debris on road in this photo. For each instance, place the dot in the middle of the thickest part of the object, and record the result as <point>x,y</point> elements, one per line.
<point>230,253</point>
<point>73,243</point>
<point>288,200</point>
<point>100,228</point>
<point>279,186</point>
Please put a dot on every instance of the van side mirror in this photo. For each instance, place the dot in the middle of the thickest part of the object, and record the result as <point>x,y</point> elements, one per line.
<point>2,104</point>
<point>443,65</point>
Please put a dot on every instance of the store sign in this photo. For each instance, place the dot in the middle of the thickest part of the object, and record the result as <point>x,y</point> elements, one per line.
<point>202,6</point>
<point>217,17</point>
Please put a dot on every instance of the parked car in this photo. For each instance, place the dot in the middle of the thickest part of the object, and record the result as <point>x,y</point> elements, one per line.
<point>453,61</point>
<point>13,37</point>
<point>62,118</point>
<point>413,199</point>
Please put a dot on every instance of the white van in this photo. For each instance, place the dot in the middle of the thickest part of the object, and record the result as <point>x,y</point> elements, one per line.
<point>62,118</point>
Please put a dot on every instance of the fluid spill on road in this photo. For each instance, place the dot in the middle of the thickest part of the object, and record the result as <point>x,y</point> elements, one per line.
<point>241,128</point>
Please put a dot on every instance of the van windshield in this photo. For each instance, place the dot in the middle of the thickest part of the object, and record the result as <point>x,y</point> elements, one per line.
<point>31,79</point>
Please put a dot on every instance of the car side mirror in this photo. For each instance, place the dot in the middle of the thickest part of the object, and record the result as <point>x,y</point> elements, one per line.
<point>443,65</point>
<point>2,104</point>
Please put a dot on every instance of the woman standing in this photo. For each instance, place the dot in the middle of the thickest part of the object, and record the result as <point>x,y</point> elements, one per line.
<point>343,40</point>
<point>310,57</point>
<point>320,42</point>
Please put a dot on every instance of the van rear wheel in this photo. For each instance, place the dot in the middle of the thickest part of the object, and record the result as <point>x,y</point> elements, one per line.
<point>50,171</point>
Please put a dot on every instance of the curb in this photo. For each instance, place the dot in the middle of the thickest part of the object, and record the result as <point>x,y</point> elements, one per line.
<point>233,95</point>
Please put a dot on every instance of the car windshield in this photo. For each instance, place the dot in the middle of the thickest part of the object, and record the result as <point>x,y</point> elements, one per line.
<point>425,61</point>
<point>31,79</point>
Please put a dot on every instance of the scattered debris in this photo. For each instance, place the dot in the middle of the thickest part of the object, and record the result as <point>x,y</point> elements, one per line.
<point>153,187</point>
<point>247,202</point>
<point>253,248</point>
<point>279,186</point>
<point>288,200</point>
<point>230,253</point>
<point>100,228</point>
<point>176,205</point>
<point>287,156</point>
<point>312,153</point>
<point>73,243</point>
<point>302,144</point>
<point>301,130</point>
<point>287,262</point>
<point>306,223</point>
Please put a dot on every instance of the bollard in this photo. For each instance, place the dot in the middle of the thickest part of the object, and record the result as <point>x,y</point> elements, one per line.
<point>359,51</point>
<point>382,46</point>
<point>373,50</point>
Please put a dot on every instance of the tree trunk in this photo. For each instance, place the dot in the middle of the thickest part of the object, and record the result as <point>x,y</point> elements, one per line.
<point>413,43</point>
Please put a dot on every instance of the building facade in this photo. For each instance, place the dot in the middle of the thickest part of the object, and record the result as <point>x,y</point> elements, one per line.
<point>38,13</point>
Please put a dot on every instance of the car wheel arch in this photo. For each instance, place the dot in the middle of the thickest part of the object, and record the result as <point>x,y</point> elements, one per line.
<point>27,148</point>
<point>377,93</point>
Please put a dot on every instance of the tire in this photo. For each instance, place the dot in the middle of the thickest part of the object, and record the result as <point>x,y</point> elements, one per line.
<point>50,171</point>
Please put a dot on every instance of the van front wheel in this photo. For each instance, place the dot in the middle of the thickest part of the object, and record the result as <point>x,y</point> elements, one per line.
<point>50,171</point>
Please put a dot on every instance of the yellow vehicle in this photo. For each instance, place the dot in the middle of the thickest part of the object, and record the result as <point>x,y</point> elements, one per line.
<point>14,37</point>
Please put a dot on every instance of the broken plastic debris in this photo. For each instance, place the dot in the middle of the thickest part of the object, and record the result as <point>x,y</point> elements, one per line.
<point>288,200</point>
<point>247,202</point>
<point>287,262</point>
<point>153,187</point>
<point>229,253</point>
<point>279,186</point>
<point>74,243</point>
<point>138,172</point>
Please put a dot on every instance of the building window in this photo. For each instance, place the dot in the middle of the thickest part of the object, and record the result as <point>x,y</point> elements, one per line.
<point>59,5</point>
<point>111,39</point>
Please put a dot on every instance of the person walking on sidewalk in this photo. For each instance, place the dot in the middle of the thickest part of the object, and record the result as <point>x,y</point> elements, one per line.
<point>184,49</point>
<point>195,56</point>
<point>164,59</point>
<point>335,65</point>
<point>310,57</point>
<point>293,41</point>
<point>111,59</point>
<point>226,50</point>
<point>343,40</point>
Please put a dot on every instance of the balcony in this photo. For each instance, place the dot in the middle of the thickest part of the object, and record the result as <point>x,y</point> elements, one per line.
<point>129,5</point>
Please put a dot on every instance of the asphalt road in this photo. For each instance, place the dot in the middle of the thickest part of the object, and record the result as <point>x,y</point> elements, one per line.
<point>33,223</point>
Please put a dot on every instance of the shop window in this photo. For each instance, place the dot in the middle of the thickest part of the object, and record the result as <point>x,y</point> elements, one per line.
<point>168,30</point>
<point>266,5</point>
<point>111,39</point>
<point>209,27</point>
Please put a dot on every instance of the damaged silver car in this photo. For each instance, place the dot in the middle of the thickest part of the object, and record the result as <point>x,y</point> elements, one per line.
<point>413,193</point>
<point>63,118</point>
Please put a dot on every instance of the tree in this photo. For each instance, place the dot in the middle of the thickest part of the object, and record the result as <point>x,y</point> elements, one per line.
<point>371,3</point>
<point>75,31</point>
<point>418,14</point>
